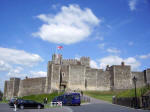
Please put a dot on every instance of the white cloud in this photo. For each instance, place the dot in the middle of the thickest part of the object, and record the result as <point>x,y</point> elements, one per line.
<point>38,74</point>
<point>130,43</point>
<point>116,60</point>
<point>101,45</point>
<point>20,57</point>
<point>113,50</point>
<point>144,56</point>
<point>71,25</point>
<point>4,66</point>
<point>93,64</point>
<point>77,57</point>
<point>132,4</point>
<point>16,72</point>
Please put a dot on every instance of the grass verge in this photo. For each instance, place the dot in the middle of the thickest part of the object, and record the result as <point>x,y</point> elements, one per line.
<point>102,95</point>
<point>131,92</point>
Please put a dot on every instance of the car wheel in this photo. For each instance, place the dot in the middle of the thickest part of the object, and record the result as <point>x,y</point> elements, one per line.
<point>21,107</point>
<point>39,107</point>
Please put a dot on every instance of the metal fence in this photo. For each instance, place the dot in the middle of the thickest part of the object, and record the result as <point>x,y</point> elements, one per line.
<point>142,102</point>
<point>85,99</point>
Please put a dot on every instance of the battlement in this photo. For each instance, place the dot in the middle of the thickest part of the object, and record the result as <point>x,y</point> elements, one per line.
<point>14,78</point>
<point>85,61</point>
<point>69,61</point>
<point>58,59</point>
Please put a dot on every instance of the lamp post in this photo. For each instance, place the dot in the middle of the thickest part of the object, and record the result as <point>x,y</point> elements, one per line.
<point>134,80</point>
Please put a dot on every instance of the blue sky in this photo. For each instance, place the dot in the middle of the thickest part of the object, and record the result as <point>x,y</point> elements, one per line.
<point>108,31</point>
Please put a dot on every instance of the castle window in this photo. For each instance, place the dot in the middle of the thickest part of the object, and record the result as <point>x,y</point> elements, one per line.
<point>63,74</point>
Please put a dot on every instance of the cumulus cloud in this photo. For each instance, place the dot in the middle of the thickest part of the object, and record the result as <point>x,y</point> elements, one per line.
<point>144,56</point>
<point>113,50</point>
<point>38,74</point>
<point>16,72</point>
<point>116,60</point>
<point>93,64</point>
<point>4,66</point>
<point>72,24</point>
<point>19,57</point>
<point>132,4</point>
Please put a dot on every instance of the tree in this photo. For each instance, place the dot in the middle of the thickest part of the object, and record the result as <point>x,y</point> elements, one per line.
<point>1,95</point>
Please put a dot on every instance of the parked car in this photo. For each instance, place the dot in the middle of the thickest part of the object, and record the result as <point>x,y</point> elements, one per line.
<point>68,99</point>
<point>29,104</point>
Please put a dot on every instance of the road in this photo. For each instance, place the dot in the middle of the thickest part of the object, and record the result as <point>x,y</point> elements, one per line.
<point>98,106</point>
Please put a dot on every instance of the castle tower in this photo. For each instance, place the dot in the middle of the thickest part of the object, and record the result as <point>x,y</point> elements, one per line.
<point>85,61</point>
<point>56,58</point>
<point>121,76</point>
<point>11,88</point>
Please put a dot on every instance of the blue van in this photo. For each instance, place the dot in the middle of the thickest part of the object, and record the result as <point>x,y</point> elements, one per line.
<point>69,99</point>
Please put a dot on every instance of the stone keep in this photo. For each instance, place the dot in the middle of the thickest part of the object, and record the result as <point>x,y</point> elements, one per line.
<point>73,74</point>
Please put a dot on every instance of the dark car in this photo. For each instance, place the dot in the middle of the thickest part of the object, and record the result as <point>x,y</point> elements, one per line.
<point>69,99</point>
<point>11,102</point>
<point>29,104</point>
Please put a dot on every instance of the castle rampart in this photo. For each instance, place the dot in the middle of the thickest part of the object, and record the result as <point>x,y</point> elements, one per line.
<point>31,86</point>
<point>72,74</point>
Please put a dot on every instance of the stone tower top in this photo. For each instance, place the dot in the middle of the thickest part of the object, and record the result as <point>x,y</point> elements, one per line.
<point>85,61</point>
<point>56,58</point>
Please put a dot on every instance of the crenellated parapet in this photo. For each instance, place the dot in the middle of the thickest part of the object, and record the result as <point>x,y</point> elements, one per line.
<point>69,61</point>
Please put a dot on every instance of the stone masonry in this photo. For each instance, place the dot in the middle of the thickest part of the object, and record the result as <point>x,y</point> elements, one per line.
<point>73,74</point>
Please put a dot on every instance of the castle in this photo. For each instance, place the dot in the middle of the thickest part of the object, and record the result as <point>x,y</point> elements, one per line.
<point>73,74</point>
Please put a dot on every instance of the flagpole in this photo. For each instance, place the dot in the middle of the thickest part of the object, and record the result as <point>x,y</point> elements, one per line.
<point>56,50</point>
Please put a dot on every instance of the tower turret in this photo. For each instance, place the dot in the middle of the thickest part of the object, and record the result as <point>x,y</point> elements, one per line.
<point>85,61</point>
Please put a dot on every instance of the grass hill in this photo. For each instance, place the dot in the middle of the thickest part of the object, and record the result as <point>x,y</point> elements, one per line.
<point>131,92</point>
<point>107,95</point>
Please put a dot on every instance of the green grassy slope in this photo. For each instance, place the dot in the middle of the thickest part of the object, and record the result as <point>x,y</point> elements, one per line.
<point>107,95</point>
<point>131,92</point>
<point>102,95</point>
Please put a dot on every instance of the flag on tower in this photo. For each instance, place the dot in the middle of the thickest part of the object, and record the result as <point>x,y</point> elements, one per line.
<point>59,47</point>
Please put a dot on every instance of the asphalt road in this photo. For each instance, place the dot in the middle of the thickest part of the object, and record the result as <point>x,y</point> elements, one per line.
<point>6,108</point>
<point>104,107</point>
<point>95,107</point>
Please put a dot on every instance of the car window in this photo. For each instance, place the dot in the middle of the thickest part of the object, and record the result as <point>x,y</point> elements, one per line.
<point>30,101</point>
<point>76,97</point>
<point>59,98</point>
<point>68,97</point>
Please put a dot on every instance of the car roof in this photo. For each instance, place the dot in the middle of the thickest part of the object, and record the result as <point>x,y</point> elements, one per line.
<point>71,94</point>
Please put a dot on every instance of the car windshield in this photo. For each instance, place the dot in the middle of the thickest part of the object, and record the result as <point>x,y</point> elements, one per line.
<point>12,100</point>
<point>76,96</point>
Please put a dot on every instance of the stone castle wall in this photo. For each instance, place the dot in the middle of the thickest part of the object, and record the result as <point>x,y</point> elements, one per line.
<point>11,88</point>
<point>91,79</point>
<point>122,77</point>
<point>148,76</point>
<point>141,79</point>
<point>76,77</point>
<point>72,74</point>
<point>103,80</point>
<point>32,86</point>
